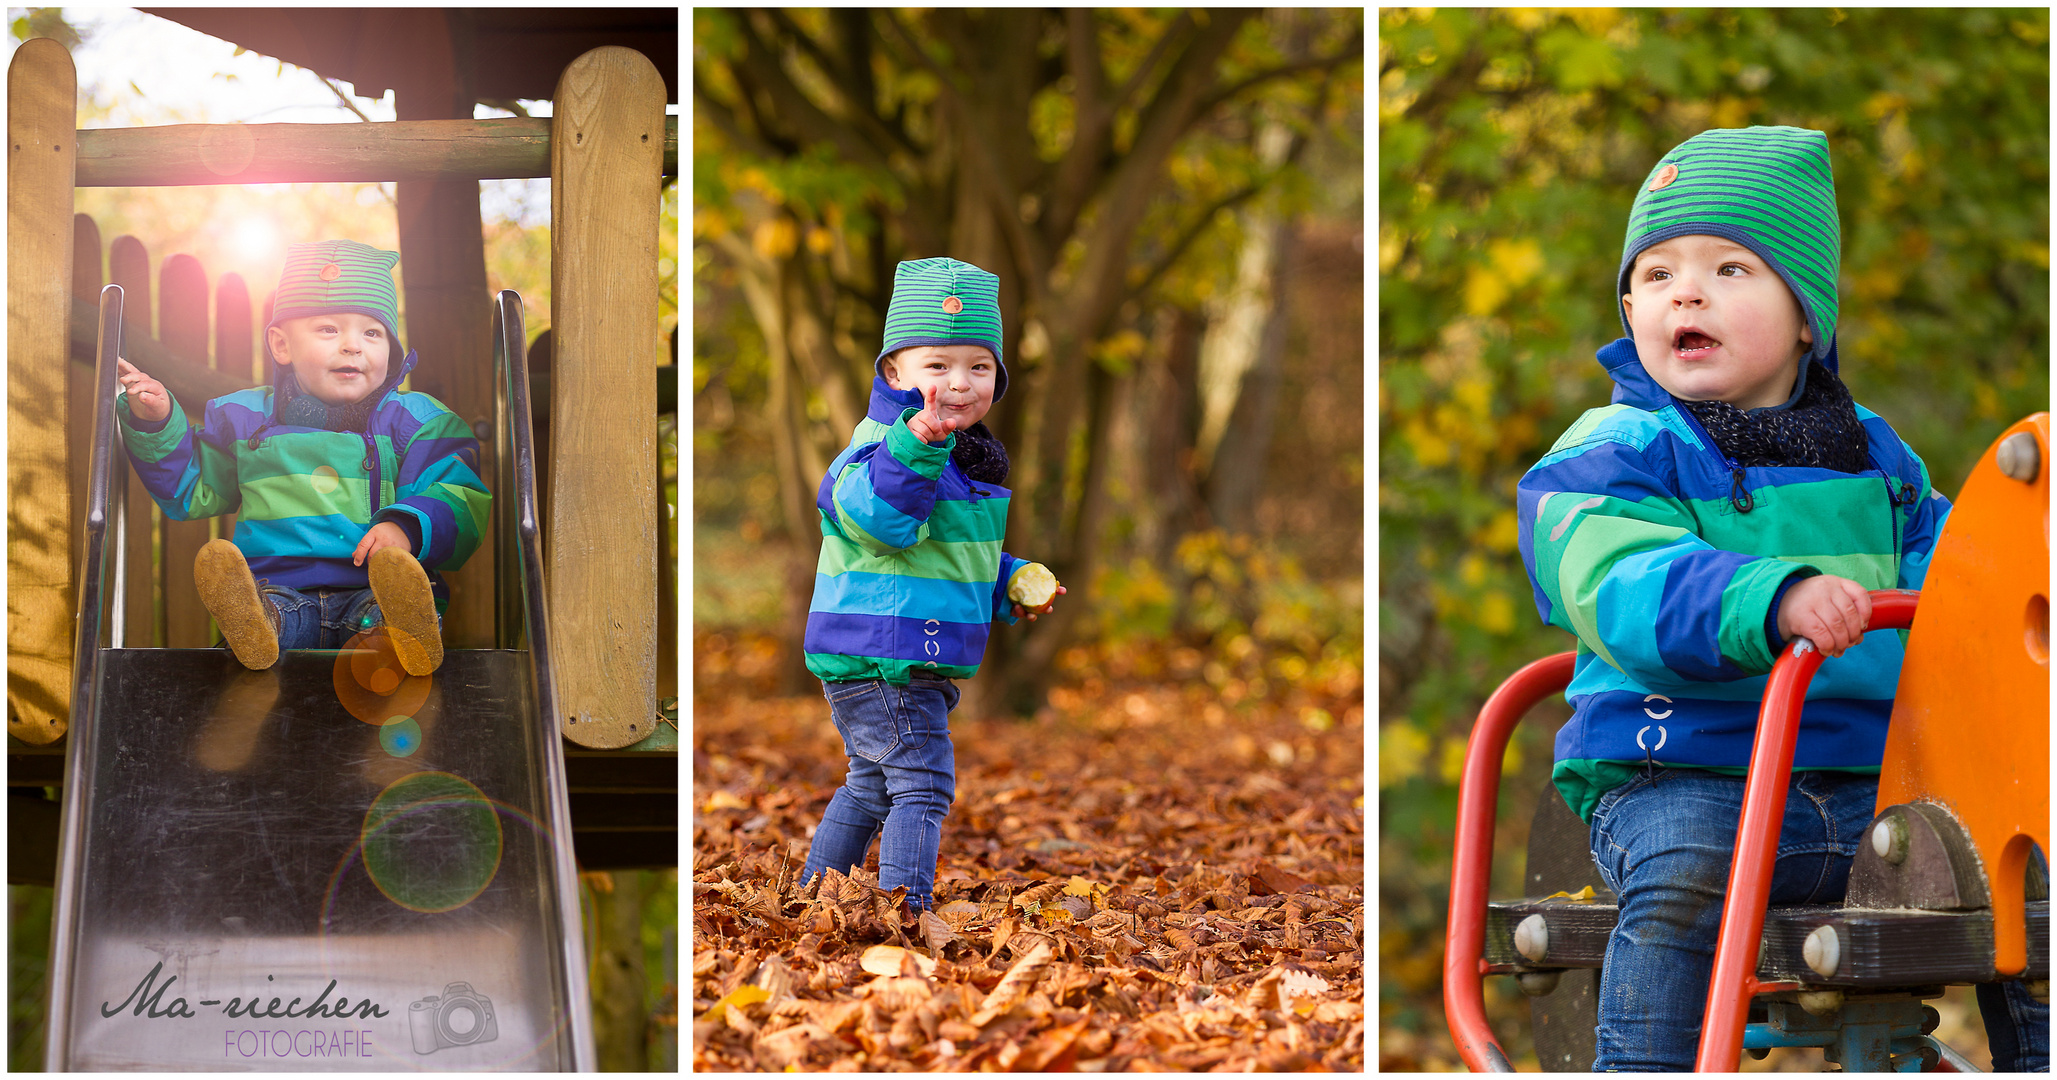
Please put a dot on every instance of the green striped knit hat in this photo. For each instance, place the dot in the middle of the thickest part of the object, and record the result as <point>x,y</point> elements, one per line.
<point>944,302</point>
<point>1766,188</point>
<point>336,276</point>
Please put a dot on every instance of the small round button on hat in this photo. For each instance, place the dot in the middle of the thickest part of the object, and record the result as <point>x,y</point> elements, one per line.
<point>1664,177</point>
<point>331,272</point>
<point>952,305</point>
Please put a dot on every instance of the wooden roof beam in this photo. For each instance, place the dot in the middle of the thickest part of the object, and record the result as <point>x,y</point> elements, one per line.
<point>177,154</point>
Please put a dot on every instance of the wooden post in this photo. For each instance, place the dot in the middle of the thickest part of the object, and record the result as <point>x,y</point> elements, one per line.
<point>233,345</point>
<point>182,327</point>
<point>449,311</point>
<point>42,107</point>
<point>128,265</point>
<point>606,152</point>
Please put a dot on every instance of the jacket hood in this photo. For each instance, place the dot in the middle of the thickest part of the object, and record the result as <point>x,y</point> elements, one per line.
<point>886,402</point>
<point>1634,385</point>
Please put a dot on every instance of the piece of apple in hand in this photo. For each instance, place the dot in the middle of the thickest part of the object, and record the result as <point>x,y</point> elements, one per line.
<point>1032,586</point>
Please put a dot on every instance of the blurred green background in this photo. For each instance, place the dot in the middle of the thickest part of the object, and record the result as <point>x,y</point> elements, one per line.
<point>1510,145</point>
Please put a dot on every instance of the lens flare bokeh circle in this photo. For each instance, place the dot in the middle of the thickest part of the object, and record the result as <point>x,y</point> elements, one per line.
<point>372,685</point>
<point>431,841</point>
<point>400,736</point>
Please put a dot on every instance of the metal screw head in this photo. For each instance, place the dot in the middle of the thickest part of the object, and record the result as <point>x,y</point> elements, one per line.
<point>1532,938</point>
<point>1537,983</point>
<point>1822,950</point>
<point>2019,458</point>
<point>1889,839</point>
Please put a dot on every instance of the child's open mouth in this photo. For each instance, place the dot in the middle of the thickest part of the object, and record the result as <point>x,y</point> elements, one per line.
<point>1693,343</point>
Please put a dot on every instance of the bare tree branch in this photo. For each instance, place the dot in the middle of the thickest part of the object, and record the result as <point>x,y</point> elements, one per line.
<point>1191,233</point>
<point>1353,51</point>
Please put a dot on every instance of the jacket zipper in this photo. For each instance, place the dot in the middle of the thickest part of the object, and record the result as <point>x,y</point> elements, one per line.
<point>371,464</point>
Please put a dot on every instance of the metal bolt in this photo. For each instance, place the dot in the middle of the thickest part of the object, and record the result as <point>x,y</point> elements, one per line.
<point>1537,983</point>
<point>1889,839</point>
<point>1532,938</point>
<point>2019,458</point>
<point>1821,1002</point>
<point>1823,951</point>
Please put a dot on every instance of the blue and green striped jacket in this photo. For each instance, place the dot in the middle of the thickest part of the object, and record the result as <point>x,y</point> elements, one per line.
<point>911,572</point>
<point>304,497</point>
<point>1634,544</point>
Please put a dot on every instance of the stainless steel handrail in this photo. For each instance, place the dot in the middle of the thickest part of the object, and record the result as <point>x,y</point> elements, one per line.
<point>106,486</point>
<point>516,440</point>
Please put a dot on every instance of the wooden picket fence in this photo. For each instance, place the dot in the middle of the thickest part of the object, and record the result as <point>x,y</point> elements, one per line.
<point>161,610</point>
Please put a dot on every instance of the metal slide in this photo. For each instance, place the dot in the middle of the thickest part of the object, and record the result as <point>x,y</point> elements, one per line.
<point>327,865</point>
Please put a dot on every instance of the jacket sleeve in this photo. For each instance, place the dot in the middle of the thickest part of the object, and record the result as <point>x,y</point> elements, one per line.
<point>1918,537</point>
<point>884,493</point>
<point>442,503</point>
<point>1003,608</point>
<point>191,474</point>
<point>1612,553</point>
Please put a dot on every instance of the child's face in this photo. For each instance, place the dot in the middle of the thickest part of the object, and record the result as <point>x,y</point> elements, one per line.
<point>338,358</point>
<point>963,377</point>
<point>1713,322</point>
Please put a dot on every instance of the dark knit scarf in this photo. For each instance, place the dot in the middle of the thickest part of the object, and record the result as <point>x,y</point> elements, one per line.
<point>297,408</point>
<point>980,455</point>
<point>1821,430</point>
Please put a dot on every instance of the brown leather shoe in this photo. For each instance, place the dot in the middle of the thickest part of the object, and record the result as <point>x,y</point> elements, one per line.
<point>401,587</point>
<point>230,595</point>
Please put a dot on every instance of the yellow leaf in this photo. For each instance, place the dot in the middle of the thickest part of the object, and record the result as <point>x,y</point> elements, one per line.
<point>1483,291</point>
<point>1583,896</point>
<point>1496,613</point>
<point>1402,748</point>
<point>1504,534</point>
<point>739,997</point>
<point>1079,887</point>
<point>1452,765</point>
<point>1516,260</point>
<point>722,800</point>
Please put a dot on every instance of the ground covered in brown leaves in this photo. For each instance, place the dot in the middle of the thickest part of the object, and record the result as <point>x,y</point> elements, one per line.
<point>1149,876</point>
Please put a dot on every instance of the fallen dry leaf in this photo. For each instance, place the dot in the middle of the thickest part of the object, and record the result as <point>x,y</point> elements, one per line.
<point>1014,986</point>
<point>1118,841</point>
<point>887,959</point>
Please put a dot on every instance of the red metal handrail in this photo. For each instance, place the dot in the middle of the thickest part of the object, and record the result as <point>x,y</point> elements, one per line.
<point>1734,980</point>
<point>1471,865</point>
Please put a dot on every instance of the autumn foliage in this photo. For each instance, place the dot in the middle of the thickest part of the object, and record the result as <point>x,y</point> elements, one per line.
<point>1140,878</point>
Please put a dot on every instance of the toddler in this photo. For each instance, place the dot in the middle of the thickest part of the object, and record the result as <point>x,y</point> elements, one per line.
<point>1732,497</point>
<point>345,487</point>
<point>911,571</point>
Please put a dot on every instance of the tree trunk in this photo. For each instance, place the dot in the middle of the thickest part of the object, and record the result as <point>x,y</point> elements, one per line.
<point>1239,460</point>
<point>620,1014</point>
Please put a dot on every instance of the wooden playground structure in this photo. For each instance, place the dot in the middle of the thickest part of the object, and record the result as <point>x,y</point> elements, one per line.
<point>606,151</point>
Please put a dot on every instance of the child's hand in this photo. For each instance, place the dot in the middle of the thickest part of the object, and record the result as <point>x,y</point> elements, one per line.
<point>929,425</point>
<point>385,534</point>
<point>1020,611</point>
<point>148,400</point>
<point>1829,611</point>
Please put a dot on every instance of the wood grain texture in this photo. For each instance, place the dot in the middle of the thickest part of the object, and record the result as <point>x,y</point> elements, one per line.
<point>42,99</point>
<point>449,323</point>
<point>402,150</point>
<point>182,311</point>
<point>606,145</point>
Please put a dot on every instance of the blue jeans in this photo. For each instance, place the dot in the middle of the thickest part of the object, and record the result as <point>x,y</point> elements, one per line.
<point>902,779</point>
<point>1664,844</point>
<point>320,618</point>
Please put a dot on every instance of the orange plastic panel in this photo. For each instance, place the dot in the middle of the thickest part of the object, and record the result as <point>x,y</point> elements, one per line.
<point>1971,723</point>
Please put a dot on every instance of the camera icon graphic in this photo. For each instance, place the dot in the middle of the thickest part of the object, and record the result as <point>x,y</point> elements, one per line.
<point>459,1016</point>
